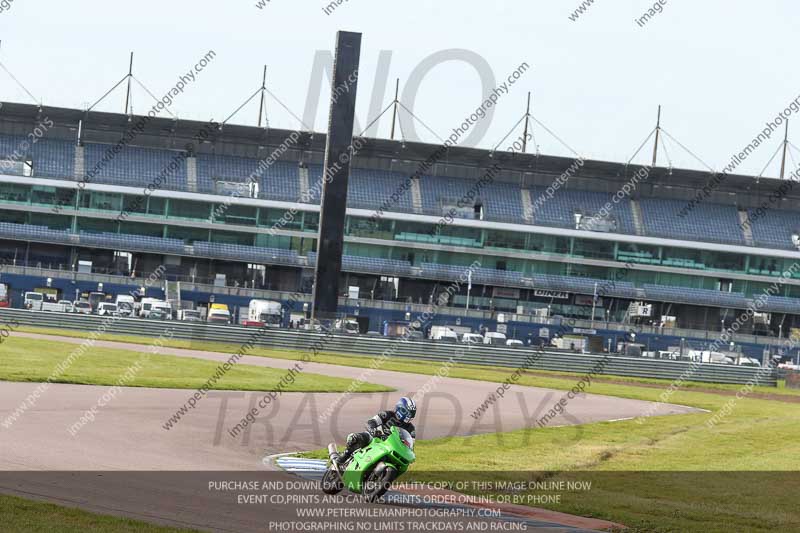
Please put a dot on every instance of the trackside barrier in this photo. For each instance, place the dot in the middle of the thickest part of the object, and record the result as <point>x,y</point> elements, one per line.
<point>424,350</point>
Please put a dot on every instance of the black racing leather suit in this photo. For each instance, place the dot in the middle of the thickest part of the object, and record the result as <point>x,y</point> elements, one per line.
<point>379,424</point>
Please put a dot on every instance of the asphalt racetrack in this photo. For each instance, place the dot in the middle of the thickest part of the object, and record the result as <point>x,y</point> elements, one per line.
<point>129,435</point>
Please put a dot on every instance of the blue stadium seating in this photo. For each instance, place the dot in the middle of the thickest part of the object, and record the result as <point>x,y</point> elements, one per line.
<point>50,158</point>
<point>687,295</point>
<point>136,167</point>
<point>781,304</point>
<point>368,189</point>
<point>621,289</point>
<point>500,201</point>
<point>707,222</point>
<point>280,181</point>
<point>253,254</point>
<point>774,228</point>
<point>123,241</point>
<point>371,265</point>
<point>560,210</point>
<point>34,233</point>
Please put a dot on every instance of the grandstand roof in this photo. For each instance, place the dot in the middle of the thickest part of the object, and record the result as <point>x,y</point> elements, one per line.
<point>249,141</point>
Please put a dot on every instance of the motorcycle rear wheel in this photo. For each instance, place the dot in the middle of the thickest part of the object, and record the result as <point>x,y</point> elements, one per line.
<point>331,482</point>
<point>378,482</point>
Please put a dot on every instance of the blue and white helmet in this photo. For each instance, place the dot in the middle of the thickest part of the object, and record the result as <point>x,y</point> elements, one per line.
<point>405,409</point>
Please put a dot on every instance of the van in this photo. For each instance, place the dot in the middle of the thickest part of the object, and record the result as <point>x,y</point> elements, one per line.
<point>82,307</point>
<point>189,315</point>
<point>443,333</point>
<point>494,338</point>
<point>126,305</point>
<point>266,312</point>
<point>149,304</point>
<point>472,338</point>
<point>219,316</point>
<point>107,309</point>
<point>33,300</point>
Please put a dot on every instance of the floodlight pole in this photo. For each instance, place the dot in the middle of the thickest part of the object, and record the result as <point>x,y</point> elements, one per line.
<point>394,111</point>
<point>658,132</point>
<point>262,105</point>
<point>527,122</point>
<point>128,92</point>
<point>785,146</point>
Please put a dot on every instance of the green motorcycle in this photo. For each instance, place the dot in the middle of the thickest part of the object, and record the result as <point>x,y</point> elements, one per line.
<point>372,469</point>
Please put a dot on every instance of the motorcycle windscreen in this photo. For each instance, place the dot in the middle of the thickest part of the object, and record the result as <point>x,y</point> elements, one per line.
<point>406,438</point>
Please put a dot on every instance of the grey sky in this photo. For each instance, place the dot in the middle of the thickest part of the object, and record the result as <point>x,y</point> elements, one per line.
<point>719,68</point>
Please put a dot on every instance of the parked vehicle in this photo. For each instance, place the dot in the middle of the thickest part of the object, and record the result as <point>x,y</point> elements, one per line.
<point>83,307</point>
<point>95,298</point>
<point>158,314</point>
<point>126,305</point>
<point>107,309</point>
<point>472,338</point>
<point>267,312</point>
<point>514,343</point>
<point>148,305</point>
<point>443,333</point>
<point>494,338</point>
<point>33,300</point>
<point>189,315</point>
<point>68,307</point>
<point>348,326</point>
<point>51,306</point>
<point>219,316</point>
<point>5,299</point>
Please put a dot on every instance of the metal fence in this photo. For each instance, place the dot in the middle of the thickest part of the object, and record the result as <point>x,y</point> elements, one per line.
<point>483,355</point>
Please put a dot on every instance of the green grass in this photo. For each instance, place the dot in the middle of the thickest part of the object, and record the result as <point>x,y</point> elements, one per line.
<point>630,461</point>
<point>539,378</point>
<point>25,359</point>
<point>663,474</point>
<point>18,515</point>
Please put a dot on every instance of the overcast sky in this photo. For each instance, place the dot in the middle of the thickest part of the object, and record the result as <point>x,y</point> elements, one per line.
<point>720,69</point>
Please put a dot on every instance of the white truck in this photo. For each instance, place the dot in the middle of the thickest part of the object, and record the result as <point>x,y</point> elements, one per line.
<point>107,309</point>
<point>152,304</point>
<point>494,337</point>
<point>126,305</point>
<point>472,338</point>
<point>218,315</point>
<point>82,307</point>
<point>190,315</point>
<point>348,326</point>
<point>443,333</point>
<point>268,312</point>
<point>33,300</point>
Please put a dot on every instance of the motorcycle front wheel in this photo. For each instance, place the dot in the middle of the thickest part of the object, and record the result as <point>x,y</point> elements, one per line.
<point>331,482</point>
<point>378,482</point>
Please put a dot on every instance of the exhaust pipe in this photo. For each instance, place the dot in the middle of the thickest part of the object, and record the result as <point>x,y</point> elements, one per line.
<point>332,450</point>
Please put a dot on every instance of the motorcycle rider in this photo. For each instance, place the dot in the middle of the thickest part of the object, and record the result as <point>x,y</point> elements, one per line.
<point>381,424</point>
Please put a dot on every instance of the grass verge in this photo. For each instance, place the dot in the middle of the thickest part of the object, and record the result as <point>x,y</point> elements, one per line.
<point>25,359</point>
<point>539,378</point>
<point>656,474</point>
<point>26,516</point>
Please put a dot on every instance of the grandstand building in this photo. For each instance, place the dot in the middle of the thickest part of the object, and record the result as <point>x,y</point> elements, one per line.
<point>233,211</point>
